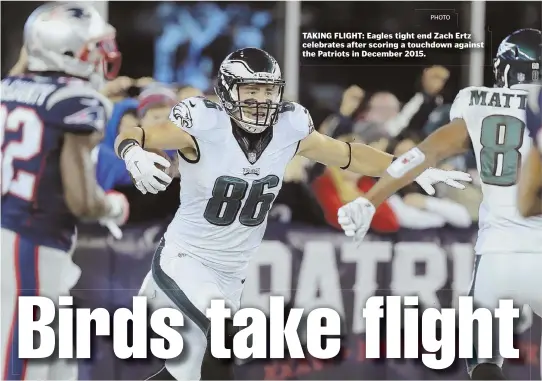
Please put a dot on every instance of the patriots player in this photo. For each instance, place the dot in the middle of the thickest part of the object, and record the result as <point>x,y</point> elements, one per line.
<point>509,246</point>
<point>233,158</point>
<point>51,117</point>
<point>530,185</point>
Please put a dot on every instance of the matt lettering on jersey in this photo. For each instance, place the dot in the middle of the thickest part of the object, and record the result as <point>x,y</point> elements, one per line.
<point>497,99</point>
<point>321,268</point>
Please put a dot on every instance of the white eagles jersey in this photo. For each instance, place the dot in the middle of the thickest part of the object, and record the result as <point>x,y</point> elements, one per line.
<point>226,193</point>
<point>495,119</point>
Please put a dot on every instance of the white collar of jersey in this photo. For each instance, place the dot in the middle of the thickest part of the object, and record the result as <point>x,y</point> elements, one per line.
<point>525,86</point>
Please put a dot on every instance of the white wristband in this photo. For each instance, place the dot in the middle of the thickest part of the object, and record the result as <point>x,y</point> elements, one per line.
<point>406,162</point>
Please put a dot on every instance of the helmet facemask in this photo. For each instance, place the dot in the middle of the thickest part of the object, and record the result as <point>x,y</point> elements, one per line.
<point>509,73</point>
<point>250,87</point>
<point>103,59</point>
<point>253,103</point>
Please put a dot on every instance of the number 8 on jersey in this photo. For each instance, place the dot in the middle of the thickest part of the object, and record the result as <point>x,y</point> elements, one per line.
<point>501,137</point>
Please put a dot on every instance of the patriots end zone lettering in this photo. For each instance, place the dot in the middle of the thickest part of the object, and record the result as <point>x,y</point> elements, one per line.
<point>417,268</point>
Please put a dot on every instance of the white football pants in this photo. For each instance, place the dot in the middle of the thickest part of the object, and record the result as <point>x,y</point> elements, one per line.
<point>184,283</point>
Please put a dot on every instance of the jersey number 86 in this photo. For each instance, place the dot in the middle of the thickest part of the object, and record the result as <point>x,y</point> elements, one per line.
<point>227,199</point>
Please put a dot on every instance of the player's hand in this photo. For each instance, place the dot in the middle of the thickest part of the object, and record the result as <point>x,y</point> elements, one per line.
<point>119,211</point>
<point>355,218</point>
<point>142,166</point>
<point>433,175</point>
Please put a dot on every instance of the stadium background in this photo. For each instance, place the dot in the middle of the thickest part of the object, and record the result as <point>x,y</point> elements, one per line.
<point>181,44</point>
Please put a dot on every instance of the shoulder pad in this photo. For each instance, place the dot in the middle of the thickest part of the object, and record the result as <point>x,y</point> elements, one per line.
<point>298,117</point>
<point>195,114</point>
<point>78,108</point>
<point>534,108</point>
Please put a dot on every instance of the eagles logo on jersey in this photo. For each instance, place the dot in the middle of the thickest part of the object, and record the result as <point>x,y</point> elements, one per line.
<point>181,114</point>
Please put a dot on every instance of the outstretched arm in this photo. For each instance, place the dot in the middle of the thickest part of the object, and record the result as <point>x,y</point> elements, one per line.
<point>165,136</point>
<point>365,160</point>
<point>449,140</point>
<point>356,157</point>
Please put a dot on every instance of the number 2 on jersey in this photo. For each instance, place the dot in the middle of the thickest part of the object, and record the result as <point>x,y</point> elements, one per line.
<point>227,197</point>
<point>501,138</point>
<point>20,183</point>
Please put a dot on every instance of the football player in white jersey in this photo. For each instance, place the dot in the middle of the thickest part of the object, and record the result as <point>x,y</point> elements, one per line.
<point>234,155</point>
<point>509,247</point>
<point>530,185</point>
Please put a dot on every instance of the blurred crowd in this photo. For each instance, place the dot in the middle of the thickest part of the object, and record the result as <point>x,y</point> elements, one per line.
<point>311,193</point>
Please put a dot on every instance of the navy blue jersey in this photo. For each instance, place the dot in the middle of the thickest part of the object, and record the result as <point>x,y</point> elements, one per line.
<point>35,113</point>
<point>534,116</point>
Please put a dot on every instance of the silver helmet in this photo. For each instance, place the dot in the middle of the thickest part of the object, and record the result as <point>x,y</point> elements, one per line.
<point>74,39</point>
